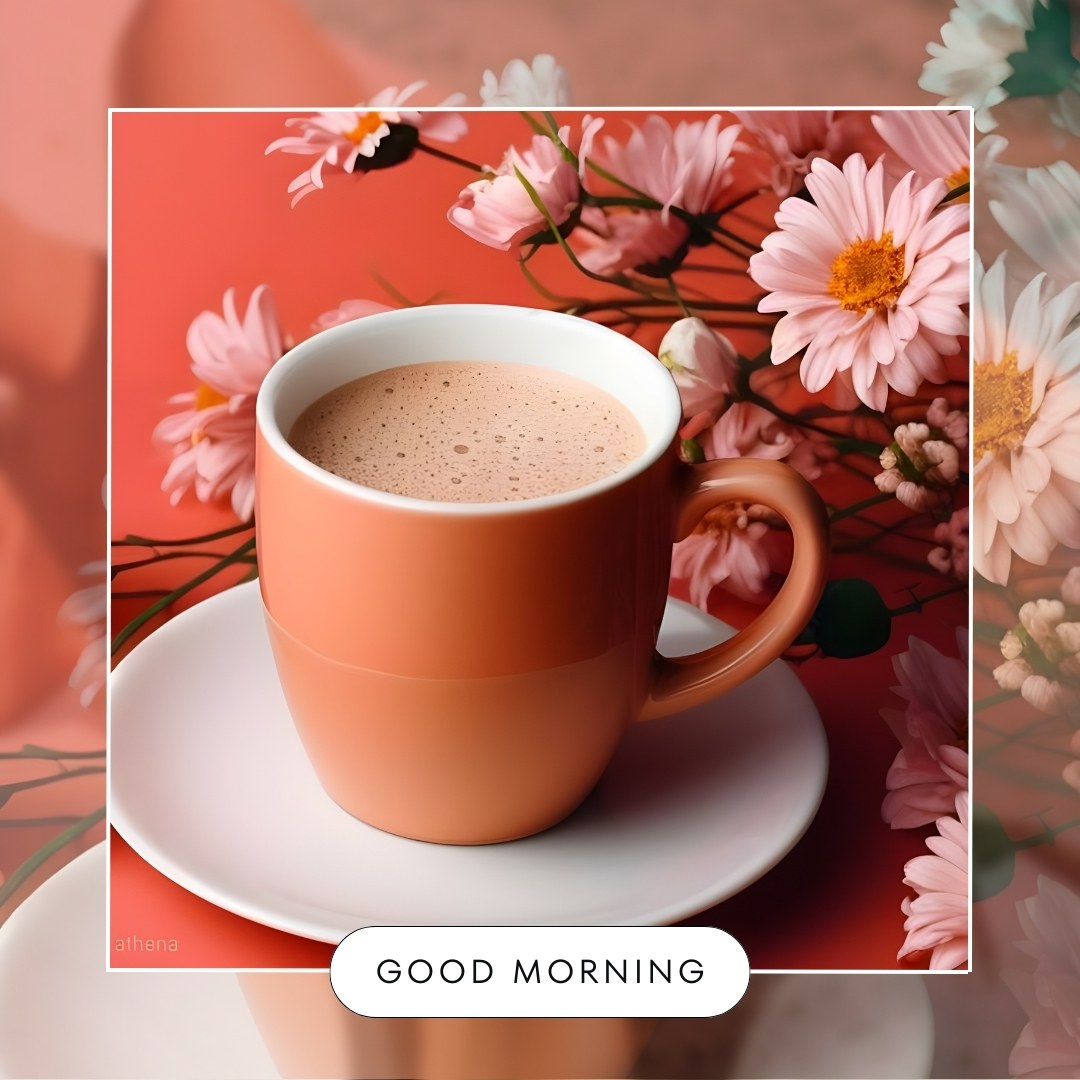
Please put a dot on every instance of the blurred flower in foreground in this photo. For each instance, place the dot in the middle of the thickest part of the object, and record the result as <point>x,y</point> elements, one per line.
<point>725,549</point>
<point>1049,1044</point>
<point>937,919</point>
<point>1042,653</point>
<point>1039,209</point>
<point>689,167</point>
<point>937,145</point>
<point>499,210</point>
<point>951,557</point>
<point>1026,365</point>
<point>86,609</point>
<point>704,364</point>
<point>347,311</point>
<point>213,440</point>
<point>994,49</point>
<point>375,135</point>
<point>932,765</point>
<point>922,464</point>
<point>544,82</point>
<point>871,284</point>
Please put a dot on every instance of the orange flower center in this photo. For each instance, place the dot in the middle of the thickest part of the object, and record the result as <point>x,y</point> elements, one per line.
<point>206,397</point>
<point>954,180</point>
<point>728,517</point>
<point>868,274</point>
<point>366,125</point>
<point>1003,397</point>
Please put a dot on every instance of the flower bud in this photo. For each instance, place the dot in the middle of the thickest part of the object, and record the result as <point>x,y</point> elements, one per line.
<point>704,364</point>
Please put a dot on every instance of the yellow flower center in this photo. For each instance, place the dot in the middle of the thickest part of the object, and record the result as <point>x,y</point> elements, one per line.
<point>868,274</point>
<point>954,180</point>
<point>1003,396</point>
<point>366,125</point>
<point>206,397</point>
<point>728,517</point>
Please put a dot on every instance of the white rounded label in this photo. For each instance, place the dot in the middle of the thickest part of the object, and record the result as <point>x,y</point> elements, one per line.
<point>539,971</point>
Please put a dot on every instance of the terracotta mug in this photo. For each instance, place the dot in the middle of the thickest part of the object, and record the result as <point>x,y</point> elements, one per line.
<point>463,672</point>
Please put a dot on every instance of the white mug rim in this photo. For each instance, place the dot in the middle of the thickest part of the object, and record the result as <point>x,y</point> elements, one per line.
<point>646,366</point>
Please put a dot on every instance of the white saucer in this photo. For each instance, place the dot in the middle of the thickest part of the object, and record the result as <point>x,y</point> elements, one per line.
<point>62,1014</point>
<point>209,783</point>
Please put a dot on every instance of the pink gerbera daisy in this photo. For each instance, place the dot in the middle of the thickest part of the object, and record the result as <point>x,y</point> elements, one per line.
<point>1026,358</point>
<point>213,440</point>
<point>936,144</point>
<point>375,135</point>
<point>872,284</point>
<point>689,166</point>
<point>937,919</point>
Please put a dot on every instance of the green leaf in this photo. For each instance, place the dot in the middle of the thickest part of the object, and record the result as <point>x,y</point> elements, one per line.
<point>1046,66</point>
<point>851,619</point>
<point>993,854</point>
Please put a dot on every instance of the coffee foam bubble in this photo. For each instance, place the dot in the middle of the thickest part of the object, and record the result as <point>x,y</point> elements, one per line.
<point>469,431</point>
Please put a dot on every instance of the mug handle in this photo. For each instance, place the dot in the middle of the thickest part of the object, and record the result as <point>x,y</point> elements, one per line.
<point>682,682</point>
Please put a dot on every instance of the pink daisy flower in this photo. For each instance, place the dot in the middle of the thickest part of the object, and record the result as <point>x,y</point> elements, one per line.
<point>932,765</point>
<point>792,141</point>
<point>213,440</point>
<point>689,167</point>
<point>375,135</point>
<point>872,285</point>
<point>1049,1044</point>
<point>725,549</point>
<point>937,145</point>
<point>498,210</point>
<point>1026,360</point>
<point>86,610</point>
<point>937,919</point>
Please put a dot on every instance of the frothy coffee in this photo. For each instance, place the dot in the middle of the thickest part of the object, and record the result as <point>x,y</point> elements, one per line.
<point>468,431</point>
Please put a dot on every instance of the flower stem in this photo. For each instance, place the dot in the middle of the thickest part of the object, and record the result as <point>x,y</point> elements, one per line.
<point>164,556</point>
<point>864,504</point>
<point>29,865</point>
<point>7,790</point>
<point>144,541</point>
<point>228,560</point>
<point>42,753</point>
<point>995,699</point>
<point>918,604</point>
<point>452,158</point>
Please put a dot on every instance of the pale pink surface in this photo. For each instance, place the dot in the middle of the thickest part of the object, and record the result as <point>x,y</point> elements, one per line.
<point>341,138</point>
<point>213,441</point>
<point>932,764</point>
<point>690,166</point>
<point>1049,1045</point>
<point>1071,773</point>
<point>895,342</point>
<point>937,919</point>
<point>499,211</point>
<point>1026,496</point>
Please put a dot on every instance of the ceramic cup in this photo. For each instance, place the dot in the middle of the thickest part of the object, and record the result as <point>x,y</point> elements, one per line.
<point>463,672</point>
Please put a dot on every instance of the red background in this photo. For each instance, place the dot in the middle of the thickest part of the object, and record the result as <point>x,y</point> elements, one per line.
<point>197,208</point>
